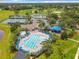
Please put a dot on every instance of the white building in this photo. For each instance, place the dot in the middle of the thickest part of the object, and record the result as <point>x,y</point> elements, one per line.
<point>14,19</point>
<point>22,33</point>
<point>38,17</point>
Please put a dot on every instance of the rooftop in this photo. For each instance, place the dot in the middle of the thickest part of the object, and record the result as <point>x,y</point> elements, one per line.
<point>14,19</point>
<point>38,16</point>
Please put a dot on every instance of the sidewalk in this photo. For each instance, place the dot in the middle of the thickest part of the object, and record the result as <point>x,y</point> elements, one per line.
<point>77,54</point>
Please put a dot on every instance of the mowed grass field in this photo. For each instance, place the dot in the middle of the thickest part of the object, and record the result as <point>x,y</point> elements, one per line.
<point>68,47</point>
<point>4,14</point>
<point>5,43</point>
<point>76,36</point>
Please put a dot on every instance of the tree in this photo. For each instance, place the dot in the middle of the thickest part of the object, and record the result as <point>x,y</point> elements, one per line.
<point>52,16</point>
<point>41,24</point>
<point>36,12</point>
<point>27,55</point>
<point>13,49</point>
<point>28,16</point>
<point>14,27</point>
<point>64,35</point>
<point>48,48</point>
<point>68,19</point>
<point>13,44</point>
<point>53,21</point>
<point>61,52</point>
<point>70,32</point>
<point>16,12</point>
<point>53,37</point>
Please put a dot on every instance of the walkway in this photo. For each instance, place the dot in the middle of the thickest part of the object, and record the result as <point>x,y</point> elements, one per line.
<point>77,54</point>
<point>74,40</point>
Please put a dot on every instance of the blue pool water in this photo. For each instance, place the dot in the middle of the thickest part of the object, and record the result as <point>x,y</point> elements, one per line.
<point>56,28</point>
<point>17,43</point>
<point>32,41</point>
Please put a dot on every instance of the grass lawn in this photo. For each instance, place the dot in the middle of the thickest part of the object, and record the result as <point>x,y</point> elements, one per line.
<point>76,36</point>
<point>5,43</point>
<point>68,47</point>
<point>23,12</point>
<point>4,14</point>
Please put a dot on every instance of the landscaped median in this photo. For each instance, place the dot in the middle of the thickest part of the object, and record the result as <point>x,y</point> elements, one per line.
<point>5,43</point>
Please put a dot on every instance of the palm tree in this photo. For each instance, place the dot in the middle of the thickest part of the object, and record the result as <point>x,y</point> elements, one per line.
<point>16,12</point>
<point>14,27</point>
<point>36,11</point>
<point>13,49</point>
<point>13,45</point>
<point>48,48</point>
<point>52,37</point>
<point>64,35</point>
<point>61,52</point>
<point>27,55</point>
<point>28,17</point>
<point>41,24</point>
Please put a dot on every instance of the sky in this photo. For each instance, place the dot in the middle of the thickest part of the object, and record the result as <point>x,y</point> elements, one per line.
<point>39,1</point>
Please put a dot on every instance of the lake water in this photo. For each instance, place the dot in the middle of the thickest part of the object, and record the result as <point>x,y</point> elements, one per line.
<point>1,34</point>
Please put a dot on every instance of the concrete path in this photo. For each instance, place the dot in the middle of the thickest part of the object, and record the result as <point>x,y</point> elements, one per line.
<point>73,40</point>
<point>77,54</point>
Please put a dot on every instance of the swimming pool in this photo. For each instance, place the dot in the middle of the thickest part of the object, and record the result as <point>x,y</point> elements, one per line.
<point>32,43</point>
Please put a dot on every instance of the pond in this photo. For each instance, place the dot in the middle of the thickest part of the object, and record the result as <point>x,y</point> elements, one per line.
<point>1,34</point>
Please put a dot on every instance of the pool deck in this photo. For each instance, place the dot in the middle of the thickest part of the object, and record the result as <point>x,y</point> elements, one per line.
<point>39,45</point>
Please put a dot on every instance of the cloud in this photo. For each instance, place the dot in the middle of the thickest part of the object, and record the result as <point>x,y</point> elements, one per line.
<point>39,1</point>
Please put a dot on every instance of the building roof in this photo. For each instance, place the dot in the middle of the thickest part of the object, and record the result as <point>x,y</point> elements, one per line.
<point>14,19</point>
<point>38,16</point>
<point>22,33</point>
<point>17,17</point>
